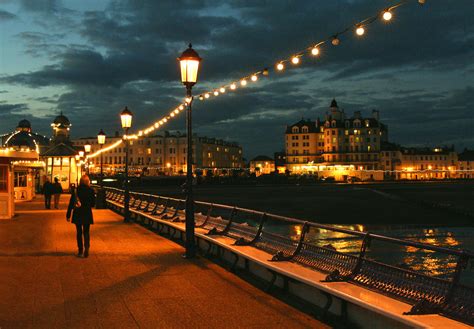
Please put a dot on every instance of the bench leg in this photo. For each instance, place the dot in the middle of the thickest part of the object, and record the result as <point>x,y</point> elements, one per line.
<point>328,304</point>
<point>234,264</point>
<point>272,281</point>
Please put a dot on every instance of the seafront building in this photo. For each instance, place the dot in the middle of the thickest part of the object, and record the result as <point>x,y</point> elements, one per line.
<point>48,158</point>
<point>356,147</point>
<point>165,154</point>
<point>262,165</point>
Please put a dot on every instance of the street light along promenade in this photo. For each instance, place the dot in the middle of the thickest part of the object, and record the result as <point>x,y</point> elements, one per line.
<point>189,63</point>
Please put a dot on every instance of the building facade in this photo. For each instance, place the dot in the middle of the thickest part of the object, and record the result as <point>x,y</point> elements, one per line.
<point>164,154</point>
<point>340,145</point>
<point>357,148</point>
<point>262,165</point>
<point>419,163</point>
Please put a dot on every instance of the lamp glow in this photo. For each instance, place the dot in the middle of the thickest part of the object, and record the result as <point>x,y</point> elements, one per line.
<point>387,15</point>
<point>360,30</point>
<point>295,60</point>
<point>280,66</point>
<point>126,118</point>
<point>222,90</point>
<point>254,78</point>
<point>189,63</point>
<point>243,82</point>
<point>335,41</point>
<point>233,86</point>
<point>101,137</point>
<point>315,51</point>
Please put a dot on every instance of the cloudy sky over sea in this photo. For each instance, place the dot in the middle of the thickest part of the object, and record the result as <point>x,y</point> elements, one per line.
<point>90,58</point>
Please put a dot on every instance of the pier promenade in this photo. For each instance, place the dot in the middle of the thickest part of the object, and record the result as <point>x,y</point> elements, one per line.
<point>133,278</point>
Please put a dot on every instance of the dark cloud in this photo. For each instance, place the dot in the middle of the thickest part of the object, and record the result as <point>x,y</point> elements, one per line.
<point>8,109</point>
<point>6,16</point>
<point>130,50</point>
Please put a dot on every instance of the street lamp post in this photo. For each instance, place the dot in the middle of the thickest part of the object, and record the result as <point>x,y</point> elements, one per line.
<point>101,193</point>
<point>126,117</point>
<point>77,157</point>
<point>101,141</point>
<point>189,64</point>
<point>87,149</point>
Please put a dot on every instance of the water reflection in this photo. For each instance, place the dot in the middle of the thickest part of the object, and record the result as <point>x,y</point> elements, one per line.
<point>419,260</point>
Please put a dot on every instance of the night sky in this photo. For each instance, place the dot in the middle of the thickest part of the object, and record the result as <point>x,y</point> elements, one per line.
<point>90,58</point>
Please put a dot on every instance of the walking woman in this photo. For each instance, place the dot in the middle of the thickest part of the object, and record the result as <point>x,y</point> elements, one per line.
<point>80,207</point>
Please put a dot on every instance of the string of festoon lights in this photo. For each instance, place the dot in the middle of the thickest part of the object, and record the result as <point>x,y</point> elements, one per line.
<point>314,50</point>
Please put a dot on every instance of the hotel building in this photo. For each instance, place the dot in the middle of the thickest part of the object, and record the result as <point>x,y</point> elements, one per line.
<point>165,154</point>
<point>338,146</point>
<point>357,148</point>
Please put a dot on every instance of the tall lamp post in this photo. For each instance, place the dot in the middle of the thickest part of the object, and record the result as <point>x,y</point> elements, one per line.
<point>189,64</point>
<point>77,157</point>
<point>87,150</point>
<point>101,192</point>
<point>101,141</point>
<point>126,120</point>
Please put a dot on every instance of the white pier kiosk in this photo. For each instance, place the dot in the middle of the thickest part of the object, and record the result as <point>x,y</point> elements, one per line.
<point>8,157</point>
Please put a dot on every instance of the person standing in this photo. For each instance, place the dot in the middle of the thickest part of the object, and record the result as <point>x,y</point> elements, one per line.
<point>47,191</point>
<point>57,190</point>
<point>80,208</point>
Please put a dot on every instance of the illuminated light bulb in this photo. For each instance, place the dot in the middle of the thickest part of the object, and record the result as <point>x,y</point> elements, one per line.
<point>335,41</point>
<point>201,97</point>
<point>233,86</point>
<point>360,30</point>
<point>387,15</point>
<point>188,99</point>
<point>222,90</point>
<point>176,111</point>
<point>181,107</point>
<point>243,82</point>
<point>254,78</point>
<point>157,125</point>
<point>315,51</point>
<point>165,120</point>
<point>207,95</point>
<point>216,93</point>
<point>295,60</point>
<point>280,66</point>
<point>172,114</point>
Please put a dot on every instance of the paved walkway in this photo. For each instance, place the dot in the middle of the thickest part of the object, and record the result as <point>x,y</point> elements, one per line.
<point>132,279</point>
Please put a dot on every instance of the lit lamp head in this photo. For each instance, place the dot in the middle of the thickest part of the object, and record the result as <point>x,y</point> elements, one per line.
<point>81,154</point>
<point>101,137</point>
<point>189,63</point>
<point>87,148</point>
<point>126,118</point>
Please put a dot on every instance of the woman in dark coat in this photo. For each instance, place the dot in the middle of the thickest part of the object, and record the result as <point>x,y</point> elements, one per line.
<point>80,206</point>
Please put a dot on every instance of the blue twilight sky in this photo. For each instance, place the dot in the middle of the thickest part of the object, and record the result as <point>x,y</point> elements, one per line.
<point>90,58</point>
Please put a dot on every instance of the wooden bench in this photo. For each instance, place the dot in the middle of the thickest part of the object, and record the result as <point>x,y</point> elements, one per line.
<point>350,296</point>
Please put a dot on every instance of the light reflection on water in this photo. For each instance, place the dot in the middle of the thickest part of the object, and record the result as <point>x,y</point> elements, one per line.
<point>419,260</point>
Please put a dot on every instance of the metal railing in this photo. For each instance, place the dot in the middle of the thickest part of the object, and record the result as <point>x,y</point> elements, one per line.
<point>427,293</point>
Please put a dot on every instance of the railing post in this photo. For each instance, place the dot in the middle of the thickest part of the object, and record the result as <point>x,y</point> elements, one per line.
<point>214,231</point>
<point>461,265</point>
<point>337,276</point>
<point>243,242</point>
<point>280,255</point>
<point>208,215</point>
